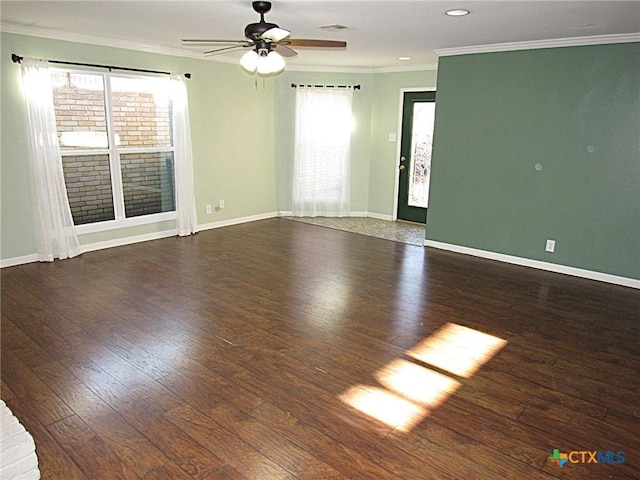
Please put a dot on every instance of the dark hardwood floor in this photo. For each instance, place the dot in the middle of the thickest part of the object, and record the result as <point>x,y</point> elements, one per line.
<point>278,349</point>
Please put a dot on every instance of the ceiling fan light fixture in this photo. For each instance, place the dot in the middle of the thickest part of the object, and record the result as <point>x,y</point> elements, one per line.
<point>249,61</point>
<point>263,37</point>
<point>270,64</point>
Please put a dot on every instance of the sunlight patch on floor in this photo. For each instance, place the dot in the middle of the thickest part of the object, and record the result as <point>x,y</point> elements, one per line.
<point>409,389</point>
<point>417,383</point>
<point>391,409</point>
<point>458,350</point>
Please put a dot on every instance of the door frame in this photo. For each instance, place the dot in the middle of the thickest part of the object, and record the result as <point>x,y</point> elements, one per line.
<point>396,179</point>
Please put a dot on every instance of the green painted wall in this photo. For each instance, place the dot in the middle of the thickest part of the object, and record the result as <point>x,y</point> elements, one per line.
<point>232,136</point>
<point>572,112</point>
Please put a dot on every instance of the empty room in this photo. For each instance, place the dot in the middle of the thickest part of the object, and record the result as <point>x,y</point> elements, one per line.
<point>309,239</point>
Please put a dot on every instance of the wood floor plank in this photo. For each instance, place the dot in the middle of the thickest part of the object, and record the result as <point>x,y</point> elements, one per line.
<point>342,423</point>
<point>332,451</point>
<point>224,444</point>
<point>278,448</point>
<point>45,404</point>
<point>264,350</point>
<point>226,472</point>
<point>503,388</point>
<point>168,472</point>
<point>94,458</point>
<point>442,447</point>
<point>131,446</point>
<point>185,451</point>
<point>593,391</point>
<point>21,346</point>
<point>5,392</point>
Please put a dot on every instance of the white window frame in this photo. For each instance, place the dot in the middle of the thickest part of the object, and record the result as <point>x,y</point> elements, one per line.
<point>113,152</point>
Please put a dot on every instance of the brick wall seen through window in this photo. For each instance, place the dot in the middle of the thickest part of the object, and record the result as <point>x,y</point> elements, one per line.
<point>140,112</point>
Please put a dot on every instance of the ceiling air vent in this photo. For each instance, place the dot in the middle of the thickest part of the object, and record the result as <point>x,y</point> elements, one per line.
<point>333,26</point>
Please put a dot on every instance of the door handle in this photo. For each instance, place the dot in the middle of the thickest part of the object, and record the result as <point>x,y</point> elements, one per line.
<point>402,159</point>
<point>402,167</point>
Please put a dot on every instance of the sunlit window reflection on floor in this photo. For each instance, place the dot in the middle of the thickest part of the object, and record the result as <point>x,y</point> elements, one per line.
<point>457,349</point>
<point>408,391</point>
<point>385,406</point>
<point>417,383</point>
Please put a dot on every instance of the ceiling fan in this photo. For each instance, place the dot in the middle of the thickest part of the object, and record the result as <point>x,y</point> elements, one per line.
<point>264,39</point>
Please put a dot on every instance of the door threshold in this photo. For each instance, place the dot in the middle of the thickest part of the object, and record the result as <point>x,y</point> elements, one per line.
<point>409,222</point>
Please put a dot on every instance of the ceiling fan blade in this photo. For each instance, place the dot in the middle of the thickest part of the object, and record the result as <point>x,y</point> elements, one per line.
<point>284,50</point>
<point>275,34</point>
<point>303,42</point>
<point>225,49</point>
<point>202,40</point>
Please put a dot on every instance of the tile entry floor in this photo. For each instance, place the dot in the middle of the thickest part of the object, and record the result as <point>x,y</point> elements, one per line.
<point>412,234</point>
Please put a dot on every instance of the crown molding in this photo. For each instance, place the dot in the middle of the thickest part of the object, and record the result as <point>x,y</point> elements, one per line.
<point>328,69</point>
<point>537,44</point>
<point>425,67</point>
<point>339,69</point>
<point>104,42</point>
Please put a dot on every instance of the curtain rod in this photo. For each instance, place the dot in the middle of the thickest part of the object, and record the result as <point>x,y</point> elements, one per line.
<point>355,87</point>
<point>18,59</point>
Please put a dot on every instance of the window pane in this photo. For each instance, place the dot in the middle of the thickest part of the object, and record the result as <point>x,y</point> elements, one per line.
<point>78,100</point>
<point>421,145</point>
<point>322,164</point>
<point>141,112</point>
<point>147,180</point>
<point>88,181</point>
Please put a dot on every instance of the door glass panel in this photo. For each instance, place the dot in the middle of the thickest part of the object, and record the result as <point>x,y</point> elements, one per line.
<point>420,162</point>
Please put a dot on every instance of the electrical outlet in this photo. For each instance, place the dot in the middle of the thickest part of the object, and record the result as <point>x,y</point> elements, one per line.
<point>208,208</point>
<point>551,246</point>
<point>221,203</point>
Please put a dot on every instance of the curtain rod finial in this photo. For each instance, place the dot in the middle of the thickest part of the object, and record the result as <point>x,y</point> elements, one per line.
<point>16,58</point>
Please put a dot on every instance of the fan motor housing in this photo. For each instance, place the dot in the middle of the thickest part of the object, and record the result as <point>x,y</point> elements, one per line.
<point>253,31</point>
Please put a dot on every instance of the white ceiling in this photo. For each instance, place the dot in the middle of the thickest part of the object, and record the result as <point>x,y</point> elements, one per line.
<point>378,32</point>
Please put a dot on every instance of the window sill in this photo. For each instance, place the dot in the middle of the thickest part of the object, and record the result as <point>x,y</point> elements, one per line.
<point>128,222</point>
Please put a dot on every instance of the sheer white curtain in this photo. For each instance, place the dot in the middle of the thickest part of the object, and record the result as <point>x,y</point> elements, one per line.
<point>55,232</point>
<point>322,164</point>
<point>186,215</point>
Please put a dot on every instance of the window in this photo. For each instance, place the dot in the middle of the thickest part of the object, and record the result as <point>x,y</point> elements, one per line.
<point>115,137</point>
<point>322,167</point>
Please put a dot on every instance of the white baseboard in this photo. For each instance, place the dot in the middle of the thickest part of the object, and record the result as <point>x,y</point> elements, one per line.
<point>379,216</point>
<point>11,262</point>
<point>119,242</point>
<point>92,247</point>
<point>540,265</point>
<point>237,221</point>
